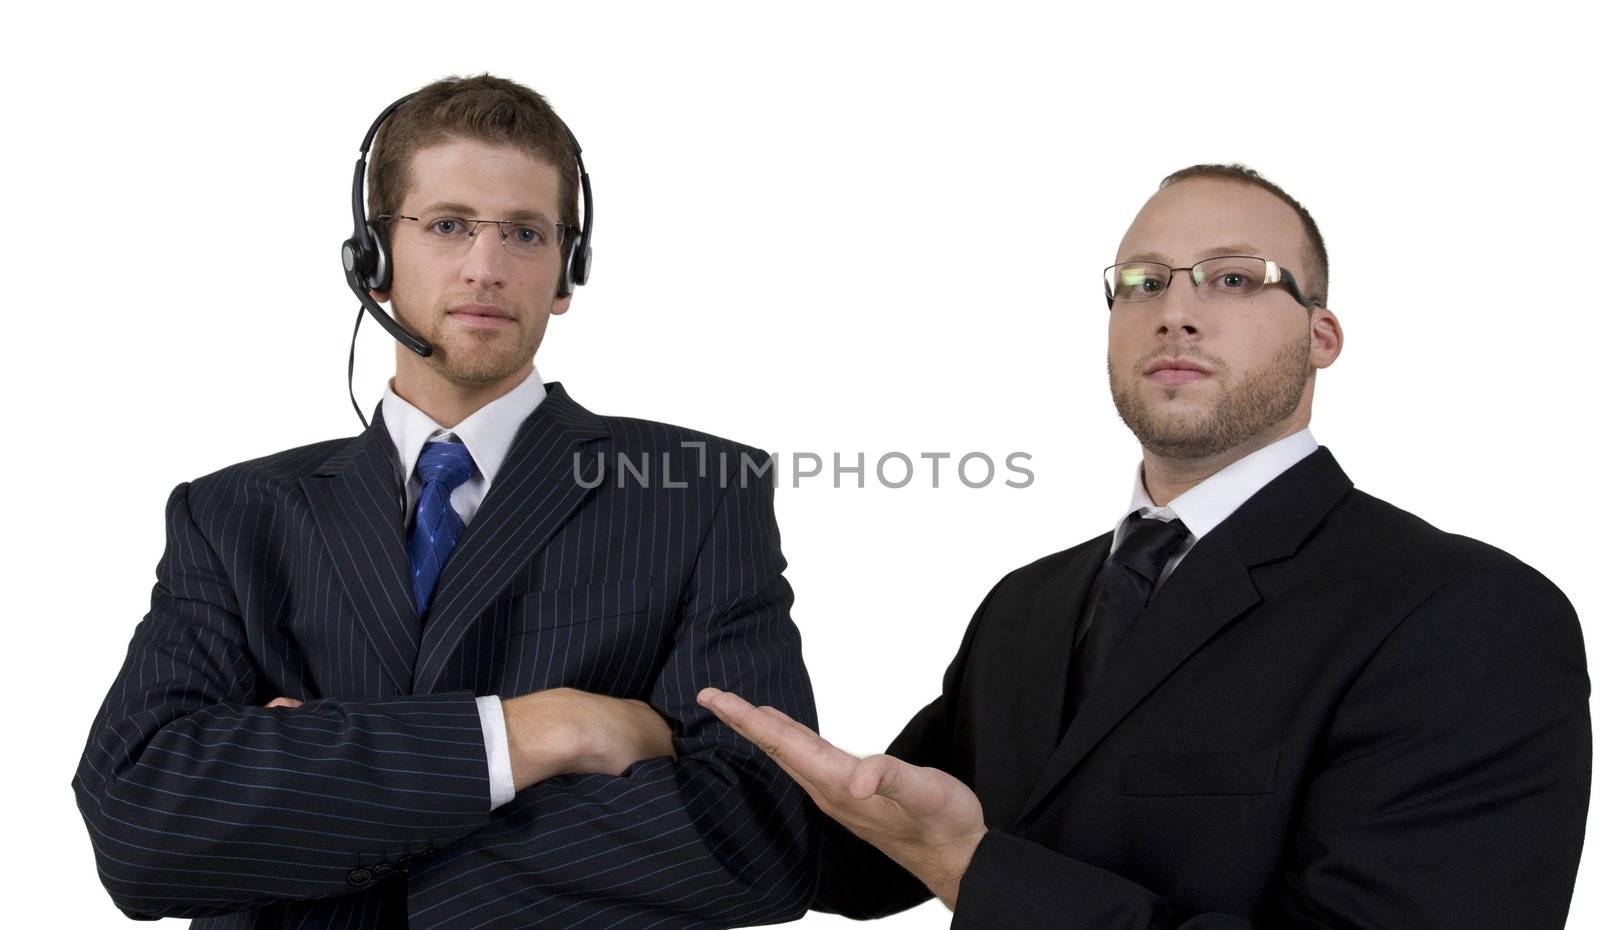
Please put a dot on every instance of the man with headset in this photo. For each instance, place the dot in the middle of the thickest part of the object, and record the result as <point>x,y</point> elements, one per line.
<point>443,674</point>
<point>1264,698</point>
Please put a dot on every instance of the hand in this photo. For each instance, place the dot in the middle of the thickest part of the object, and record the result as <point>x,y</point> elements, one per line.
<point>282,702</point>
<point>924,819</point>
<point>566,731</point>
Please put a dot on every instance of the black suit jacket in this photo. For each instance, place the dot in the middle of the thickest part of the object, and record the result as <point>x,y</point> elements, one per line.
<point>1331,715</point>
<point>369,806</point>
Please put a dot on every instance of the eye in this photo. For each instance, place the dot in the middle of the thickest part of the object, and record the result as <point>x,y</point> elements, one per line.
<point>527,235</point>
<point>1235,278</point>
<point>447,226</point>
<point>1135,281</point>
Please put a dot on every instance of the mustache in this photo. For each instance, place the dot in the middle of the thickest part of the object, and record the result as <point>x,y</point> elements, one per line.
<point>1217,365</point>
<point>484,299</point>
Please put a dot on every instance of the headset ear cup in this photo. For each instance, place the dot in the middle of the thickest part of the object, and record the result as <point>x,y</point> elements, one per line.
<point>565,285</point>
<point>379,279</point>
<point>580,265</point>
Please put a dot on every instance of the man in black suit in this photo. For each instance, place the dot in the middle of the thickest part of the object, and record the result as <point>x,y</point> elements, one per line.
<point>1265,699</point>
<point>443,674</point>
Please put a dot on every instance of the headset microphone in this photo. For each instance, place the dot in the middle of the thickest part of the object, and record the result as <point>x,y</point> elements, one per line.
<point>368,266</point>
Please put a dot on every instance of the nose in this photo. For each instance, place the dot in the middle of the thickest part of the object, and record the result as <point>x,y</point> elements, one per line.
<point>487,260</point>
<point>1179,309</point>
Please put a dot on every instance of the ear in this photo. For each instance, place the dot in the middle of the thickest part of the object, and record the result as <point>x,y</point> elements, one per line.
<point>1327,337</point>
<point>560,305</point>
<point>379,296</point>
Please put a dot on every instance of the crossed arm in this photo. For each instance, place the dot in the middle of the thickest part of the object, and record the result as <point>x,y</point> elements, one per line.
<point>198,802</point>
<point>564,731</point>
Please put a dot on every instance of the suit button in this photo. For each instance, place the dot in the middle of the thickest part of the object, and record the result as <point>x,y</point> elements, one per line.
<point>358,877</point>
<point>428,853</point>
<point>382,870</point>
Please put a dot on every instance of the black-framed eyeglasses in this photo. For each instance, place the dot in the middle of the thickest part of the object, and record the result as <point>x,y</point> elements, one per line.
<point>523,236</point>
<point>1223,278</point>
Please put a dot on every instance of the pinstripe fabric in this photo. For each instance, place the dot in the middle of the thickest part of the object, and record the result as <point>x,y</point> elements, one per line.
<point>368,807</point>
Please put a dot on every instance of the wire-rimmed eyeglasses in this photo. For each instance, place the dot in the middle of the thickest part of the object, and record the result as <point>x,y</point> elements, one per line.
<point>1225,277</point>
<point>523,236</point>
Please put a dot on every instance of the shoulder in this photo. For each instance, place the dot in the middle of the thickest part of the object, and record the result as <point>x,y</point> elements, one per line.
<point>632,434</point>
<point>651,454</point>
<point>1455,605</point>
<point>261,480</point>
<point>1051,567</point>
<point>1018,587</point>
<point>1371,536</point>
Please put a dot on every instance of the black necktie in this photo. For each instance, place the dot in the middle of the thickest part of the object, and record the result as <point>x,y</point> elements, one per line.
<point>1121,593</point>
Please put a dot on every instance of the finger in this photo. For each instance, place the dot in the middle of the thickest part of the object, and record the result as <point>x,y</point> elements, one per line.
<point>283,702</point>
<point>735,711</point>
<point>803,754</point>
<point>834,800</point>
<point>771,711</point>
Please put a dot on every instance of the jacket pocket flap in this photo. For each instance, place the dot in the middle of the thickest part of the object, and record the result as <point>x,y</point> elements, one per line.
<point>553,607</point>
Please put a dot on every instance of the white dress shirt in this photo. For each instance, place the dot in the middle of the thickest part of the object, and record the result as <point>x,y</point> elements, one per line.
<point>1211,501</point>
<point>487,434</point>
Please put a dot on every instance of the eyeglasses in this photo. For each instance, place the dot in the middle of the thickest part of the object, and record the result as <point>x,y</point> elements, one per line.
<point>455,233</point>
<point>1224,278</point>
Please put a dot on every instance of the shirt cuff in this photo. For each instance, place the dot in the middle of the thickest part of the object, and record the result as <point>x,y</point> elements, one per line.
<point>493,718</point>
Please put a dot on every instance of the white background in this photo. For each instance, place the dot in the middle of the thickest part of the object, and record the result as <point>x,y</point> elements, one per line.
<point>826,227</point>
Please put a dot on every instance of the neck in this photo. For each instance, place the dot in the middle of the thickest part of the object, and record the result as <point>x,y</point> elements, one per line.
<point>1166,477</point>
<point>448,402</point>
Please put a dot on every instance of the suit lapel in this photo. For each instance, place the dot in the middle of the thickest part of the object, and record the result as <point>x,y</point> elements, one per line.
<point>355,499</point>
<point>1049,639</point>
<point>536,490</point>
<point>1208,590</point>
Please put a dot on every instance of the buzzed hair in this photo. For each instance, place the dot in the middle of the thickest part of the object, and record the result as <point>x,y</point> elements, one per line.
<point>1315,283</point>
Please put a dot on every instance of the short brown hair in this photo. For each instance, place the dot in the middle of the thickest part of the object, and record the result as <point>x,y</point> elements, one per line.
<point>1315,285</point>
<point>482,108</point>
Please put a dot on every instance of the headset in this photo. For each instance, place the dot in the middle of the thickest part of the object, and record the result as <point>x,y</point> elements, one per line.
<point>367,265</point>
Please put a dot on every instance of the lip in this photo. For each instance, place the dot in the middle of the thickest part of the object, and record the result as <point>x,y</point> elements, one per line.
<point>480,315</point>
<point>1176,370</point>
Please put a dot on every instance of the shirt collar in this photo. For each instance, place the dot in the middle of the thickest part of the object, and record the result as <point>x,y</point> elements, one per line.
<point>487,433</point>
<point>1211,501</point>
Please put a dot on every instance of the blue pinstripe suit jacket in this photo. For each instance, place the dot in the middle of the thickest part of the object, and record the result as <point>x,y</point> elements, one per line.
<point>368,807</point>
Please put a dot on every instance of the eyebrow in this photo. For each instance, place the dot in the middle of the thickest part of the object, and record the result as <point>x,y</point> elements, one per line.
<point>1236,249</point>
<point>453,207</point>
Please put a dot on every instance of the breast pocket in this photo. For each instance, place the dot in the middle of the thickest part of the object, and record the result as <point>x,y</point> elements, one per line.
<point>541,610</point>
<point>606,637</point>
<point>1234,772</point>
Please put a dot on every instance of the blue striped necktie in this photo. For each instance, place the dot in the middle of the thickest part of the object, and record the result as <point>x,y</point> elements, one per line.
<point>441,468</point>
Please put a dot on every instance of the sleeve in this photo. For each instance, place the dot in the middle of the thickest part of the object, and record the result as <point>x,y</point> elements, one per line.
<point>856,879</point>
<point>497,746</point>
<point>1454,792</point>
<point>719,836</point>
<point>198,802</point>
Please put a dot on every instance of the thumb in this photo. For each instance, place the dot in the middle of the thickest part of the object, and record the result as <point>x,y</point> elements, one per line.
<point>878,774</point>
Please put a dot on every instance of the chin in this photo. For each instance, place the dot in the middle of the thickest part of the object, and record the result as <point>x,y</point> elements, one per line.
<point>477,364</point>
